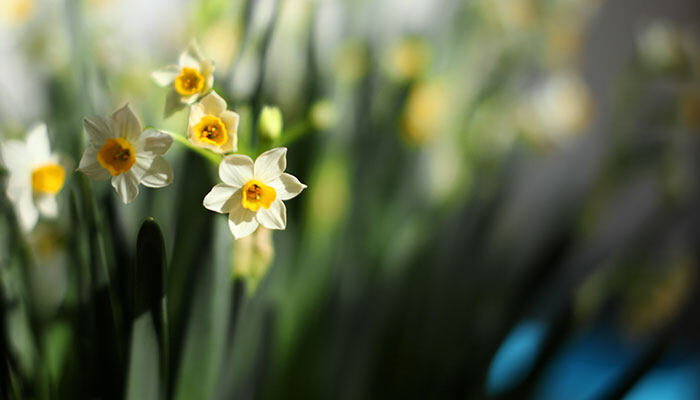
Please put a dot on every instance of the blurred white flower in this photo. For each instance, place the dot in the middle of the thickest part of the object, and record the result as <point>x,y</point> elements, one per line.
<point>252,192</point>
<point>120,148</point>
<point>212,126</point>
<point>189,80</point>
<point>35,176</point>
<point>660,45</point>
<point>560,107</point>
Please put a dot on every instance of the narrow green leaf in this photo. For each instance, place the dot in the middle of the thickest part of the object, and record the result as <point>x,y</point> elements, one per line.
<point>144,378</point>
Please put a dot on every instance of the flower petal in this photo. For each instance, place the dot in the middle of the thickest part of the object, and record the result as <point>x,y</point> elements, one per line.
<point>91,167</point>
<point>47,205</point>
<point>270,164</point>
<point>154,172</point>
<point>126,185</point>
<point>274,217</point>
<point>236,170</point>
<point>125,124</point>
<point>241,221</point>
<point>287,186</point>
<point>38,144</point>
<point>27,214</point>
<point>222,198</point>
<point>206,68</point>
<point>231,120</point>
<point>165,76</point>
<point>213,103</point>
<point>97,129</point>
<point>155,142</point>
<point>14,155</point>
<point>190,56</point>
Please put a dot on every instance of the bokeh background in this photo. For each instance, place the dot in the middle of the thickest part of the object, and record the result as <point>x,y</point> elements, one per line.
<point>502,203</point>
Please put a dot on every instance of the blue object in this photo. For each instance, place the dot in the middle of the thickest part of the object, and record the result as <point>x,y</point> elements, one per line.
<point>516,356</point>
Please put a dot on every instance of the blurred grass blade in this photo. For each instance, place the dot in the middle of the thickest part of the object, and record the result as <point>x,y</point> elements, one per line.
<point>144,380</point>
<point>207,328</point>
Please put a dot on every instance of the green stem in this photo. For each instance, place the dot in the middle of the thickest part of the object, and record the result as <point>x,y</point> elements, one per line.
<point>215,158</point>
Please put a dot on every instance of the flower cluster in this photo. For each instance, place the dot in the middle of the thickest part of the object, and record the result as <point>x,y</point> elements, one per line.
<point>120,148</point>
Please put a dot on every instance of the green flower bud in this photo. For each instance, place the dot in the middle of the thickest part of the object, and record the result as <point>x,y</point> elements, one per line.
<point>270,122</point>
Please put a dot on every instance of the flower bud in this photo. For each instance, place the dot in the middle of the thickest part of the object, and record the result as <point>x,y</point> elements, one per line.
<point>270,123</point>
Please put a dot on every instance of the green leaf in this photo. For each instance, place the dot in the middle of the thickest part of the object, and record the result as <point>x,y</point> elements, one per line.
<point>144,379</point>
<point>206,332</point>
<point>149,274</point>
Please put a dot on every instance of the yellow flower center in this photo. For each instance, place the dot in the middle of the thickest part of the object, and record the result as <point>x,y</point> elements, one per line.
<point>189,82</point>
<point>116,156</point>
<point>212,130</point>
<point>256,194</point>
<point>48,178</point>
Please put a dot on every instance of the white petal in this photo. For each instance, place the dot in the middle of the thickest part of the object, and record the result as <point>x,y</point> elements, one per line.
<point>47,205</point>
<point>91,167</point>
<point>287,186</point>
<point>18,183</point>
<point>270,164</point>
<point>206,68</point>
<point>125,124</point>
<point>213,104</point>
<point>236,170</point>
<point>191,56</point>
<point>165,76</point>
<point>274,217</point>
<point>222,198</point>
<point>241,221</point>
<point>27,214</point>
<point>231,120</point>
<point>126,185</point>
<point>196,114</point>
<point>38,144</point>
<point>189,99</point>
<point>173,103</point>
<point>98,130</point>
<point>153,172</point>
<point>14,156</point>
<point>156,142</point>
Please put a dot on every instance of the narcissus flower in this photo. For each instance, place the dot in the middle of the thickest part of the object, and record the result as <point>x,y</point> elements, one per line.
<point>212,126</point>
<point>121,149</point>
<point>35,176</point>
<point>192,78</point>
<point>252,192</point>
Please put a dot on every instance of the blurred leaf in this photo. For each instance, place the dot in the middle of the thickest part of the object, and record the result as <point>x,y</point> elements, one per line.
<point>144,381</point>
<point>149,275</point>
<point>206,332</point>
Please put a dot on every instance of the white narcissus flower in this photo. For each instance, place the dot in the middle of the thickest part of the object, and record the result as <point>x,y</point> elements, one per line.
<point>189,80</point>
<point>212,126</point>
<point>35,176</point>
<point>252,192</point>
<point>121,149</point>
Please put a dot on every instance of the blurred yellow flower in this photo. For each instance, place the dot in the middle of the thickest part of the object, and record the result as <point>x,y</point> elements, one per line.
<point>212,126</point>
<point>408,59</point>
<point>17,12</point>
<point>425,112</point>
<point>192,78</point>
<point>35,176</point>
<point>119,148</point>
<point>252,192</point>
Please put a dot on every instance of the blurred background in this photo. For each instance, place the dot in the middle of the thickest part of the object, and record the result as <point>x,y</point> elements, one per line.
<point>502,203</point>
